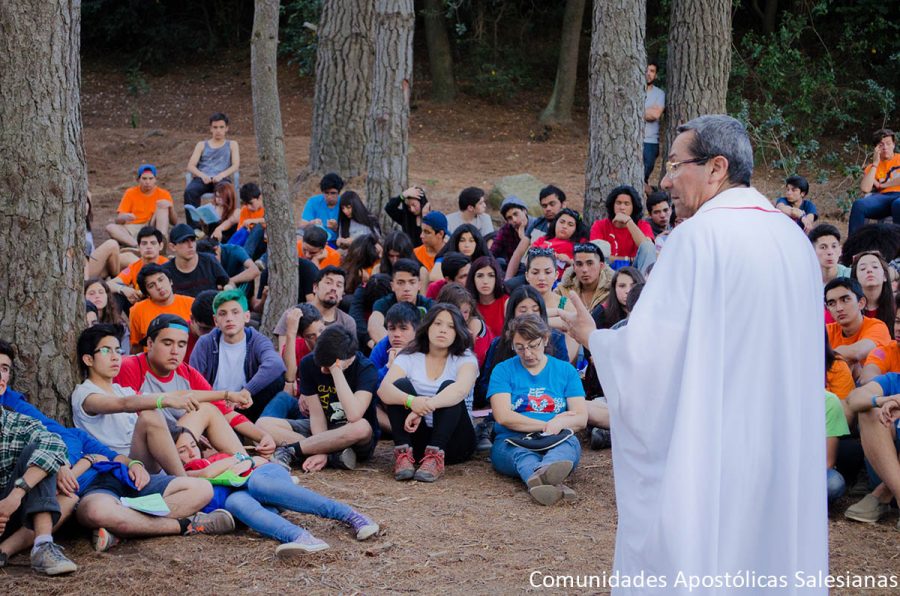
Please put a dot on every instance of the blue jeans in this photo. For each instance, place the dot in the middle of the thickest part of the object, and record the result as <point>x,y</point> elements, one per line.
<point>510,460</point>
<point>874,206</point>
<point>270,488</point>
<point>836,485</point>
<point>651,152</point>
<point>283,405</point>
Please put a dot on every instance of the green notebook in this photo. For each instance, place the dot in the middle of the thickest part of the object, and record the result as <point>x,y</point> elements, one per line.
<point>151,504</point>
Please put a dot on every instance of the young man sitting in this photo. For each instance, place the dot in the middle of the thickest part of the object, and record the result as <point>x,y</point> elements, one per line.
<point>190,271</point>
<point>434,237</point>
<point>454,268</point>
<point>880,182</point>
<point>143,205</point>
<point>235,261</point>
<point>322,210</point>
<point>826,240</point>
<point>852,335</point>
<point>314,247</point>
<point>795,205</point>
<point>589,276</point>
<point>155,283</point>
<point>472,208</point>
<point>212,161</point>
<point>328,291</point>
<point>336,383</point>
<point>405,284</point>
<point>552,200</point>
<point>251,230</point>
<point>237,358</point>
<point>515,213</point>
<point>150,244</point>
<point>401,321</point>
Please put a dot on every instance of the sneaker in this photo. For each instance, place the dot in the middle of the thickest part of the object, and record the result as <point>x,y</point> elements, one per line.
<point>568,494</point>
<point>305,543</point>
<point>551,474</point>
<point>483,431</point>
<point>868,510</point>
<point>601,438</point>
<point>103,540</point>
<point>284,456</point>
<point>343,460</point>
<point>432,465</point>
<point>4,559</point>
<point>362,525</point>
<point>49,560</point>
<point>404,463</point>
<point>546,494</point>
<point>218,521</point>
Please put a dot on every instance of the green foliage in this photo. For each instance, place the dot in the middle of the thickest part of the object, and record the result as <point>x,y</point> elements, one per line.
<point>498,74</point>
<point>297,35</point>
<point>135,81</point>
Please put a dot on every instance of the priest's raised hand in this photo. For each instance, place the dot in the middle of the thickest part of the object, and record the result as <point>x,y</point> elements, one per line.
<point>579,324</point>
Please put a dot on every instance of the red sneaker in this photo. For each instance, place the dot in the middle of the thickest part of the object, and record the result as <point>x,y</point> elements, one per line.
<point>432,466</point>
<point>404,463</point>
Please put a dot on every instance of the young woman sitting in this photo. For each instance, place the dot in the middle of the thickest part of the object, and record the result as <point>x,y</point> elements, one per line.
<point>354,219</point>
<point>485,282</point>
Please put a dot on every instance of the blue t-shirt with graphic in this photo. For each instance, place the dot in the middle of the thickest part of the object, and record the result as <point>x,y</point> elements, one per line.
<point>541,396</point>
<point>317,208</point>
<point>890,384</point>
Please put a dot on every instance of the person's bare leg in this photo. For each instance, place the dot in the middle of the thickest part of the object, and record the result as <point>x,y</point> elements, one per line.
<point>209,421</point>
<point>336,439</point>
<point>99,510</point>
<point>383,421</point>
<point>878,445</point>
<point>152,444</point>
<point>126,259</point>
<point>160,219</point>
<point>43,523</point>
<point>280,429</point>
<point>598,414</point>
<point>24,538</point>
<point>104,261</point>
<point>120,234</point>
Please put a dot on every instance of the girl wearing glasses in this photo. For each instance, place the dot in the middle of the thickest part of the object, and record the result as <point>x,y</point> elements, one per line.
<point>532,392</point>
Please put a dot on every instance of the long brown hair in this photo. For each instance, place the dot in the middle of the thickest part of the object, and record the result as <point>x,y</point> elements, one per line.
<point>226,191</point>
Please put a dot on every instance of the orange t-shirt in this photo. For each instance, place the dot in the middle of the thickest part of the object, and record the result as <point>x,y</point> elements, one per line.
<point>332,257</point>
<point>424,258</point>
<point>884,171</point>
<point>247,214</point>
<point>886,358</point>
<point>129,274</point>
<point>873,329</point>
<point>839,380</point>
<point>141,205</point>
<point>143,312</point>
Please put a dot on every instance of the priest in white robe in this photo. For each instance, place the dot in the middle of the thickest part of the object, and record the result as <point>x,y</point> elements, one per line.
<point>715,387</point>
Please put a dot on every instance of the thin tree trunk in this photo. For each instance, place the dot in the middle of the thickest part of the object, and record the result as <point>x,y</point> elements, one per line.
<point>440,61</point>
<point>341,102</point>
<point>280,230</point>
<point>617,89</point>
<point>388,165</point>
<point>43,194</point>
<point>559,108</point>
<point>699,61</point>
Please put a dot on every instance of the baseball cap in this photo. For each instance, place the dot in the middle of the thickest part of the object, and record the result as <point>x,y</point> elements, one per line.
<point>512,201</point>
<point>144,167</point>
<point>166,321</point>
<point>436,220</point>
<point>181,232</point>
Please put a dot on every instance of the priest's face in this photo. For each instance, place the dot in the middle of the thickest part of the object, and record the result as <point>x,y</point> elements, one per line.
<point>687,181</point>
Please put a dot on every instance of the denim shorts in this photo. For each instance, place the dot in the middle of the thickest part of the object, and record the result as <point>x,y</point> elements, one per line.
<point>109,484</point>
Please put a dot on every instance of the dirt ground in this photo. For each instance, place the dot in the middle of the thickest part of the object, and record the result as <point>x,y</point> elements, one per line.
<point>471,532</point>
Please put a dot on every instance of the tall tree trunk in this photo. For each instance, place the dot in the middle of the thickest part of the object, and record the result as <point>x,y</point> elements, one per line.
<point>341,102</point>
<point>43,194</point>
<point>699,61</point>
<point>559,108</point>
<point>389,115</point>
<point>768,15</point>
<point>617,90</point>
<point>440,61</point>
<point>280,229</point>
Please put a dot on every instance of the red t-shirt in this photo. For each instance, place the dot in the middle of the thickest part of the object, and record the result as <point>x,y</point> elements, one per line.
<point>494,314</point>
<point>621,243</point>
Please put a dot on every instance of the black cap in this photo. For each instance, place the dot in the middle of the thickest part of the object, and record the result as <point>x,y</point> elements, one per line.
<point>181,232</point>
<point>166,321</point>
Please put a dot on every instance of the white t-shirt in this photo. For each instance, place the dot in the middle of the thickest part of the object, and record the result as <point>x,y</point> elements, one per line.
<point>113,430</point>
<point>655,97</point>
<point>230,376</point>
<point>482,222</point>
<point>414,367</point>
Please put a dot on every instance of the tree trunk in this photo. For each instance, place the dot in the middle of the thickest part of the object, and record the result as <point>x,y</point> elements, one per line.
<point>440,61</point>
<point>341,102</point>
<point>388,165</point>
<point>559,108</point>
<point>273,174</point>
<point>617,90</point>
<point>43,194</point>
<point>768,15</point>
<point>699,62</point>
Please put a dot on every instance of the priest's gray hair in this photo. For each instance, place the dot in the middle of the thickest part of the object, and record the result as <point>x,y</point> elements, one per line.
<point>723,135</point>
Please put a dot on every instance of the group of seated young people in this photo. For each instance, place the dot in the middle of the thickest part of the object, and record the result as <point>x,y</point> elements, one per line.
<point>443,336</point>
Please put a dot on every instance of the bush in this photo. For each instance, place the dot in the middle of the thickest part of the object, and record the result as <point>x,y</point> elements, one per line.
<point>297,38</point>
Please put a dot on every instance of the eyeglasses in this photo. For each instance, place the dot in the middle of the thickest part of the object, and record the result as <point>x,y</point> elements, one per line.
<point>533,347</point>
<point>106,351</point>
<point>673,167</point>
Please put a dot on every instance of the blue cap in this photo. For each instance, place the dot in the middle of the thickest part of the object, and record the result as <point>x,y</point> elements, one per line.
<point>144,167</point>
<point>436,220</point>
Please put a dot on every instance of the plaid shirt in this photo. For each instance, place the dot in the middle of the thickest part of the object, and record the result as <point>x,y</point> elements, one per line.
<point>505,242</point>
<point>17,431</point>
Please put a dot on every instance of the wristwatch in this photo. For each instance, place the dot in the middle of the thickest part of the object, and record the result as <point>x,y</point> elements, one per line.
<point>20,483</point>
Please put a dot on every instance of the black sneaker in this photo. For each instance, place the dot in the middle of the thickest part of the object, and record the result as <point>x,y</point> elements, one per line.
<point>483,432</point>
<point>601,438</point>
<point>285,456</point>
<point>343,460</point>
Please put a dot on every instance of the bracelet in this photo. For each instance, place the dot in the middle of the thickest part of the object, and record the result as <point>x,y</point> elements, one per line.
<point>875,402</point>
<point>136,461</point>
<point>226,395</point>
<point>159,402</point>
<point>409,401</point>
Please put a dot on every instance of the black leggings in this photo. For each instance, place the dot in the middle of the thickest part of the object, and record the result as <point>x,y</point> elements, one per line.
<point>452,431</point>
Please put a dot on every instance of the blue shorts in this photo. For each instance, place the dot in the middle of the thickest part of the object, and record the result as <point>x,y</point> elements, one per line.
<point>109,484</point>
